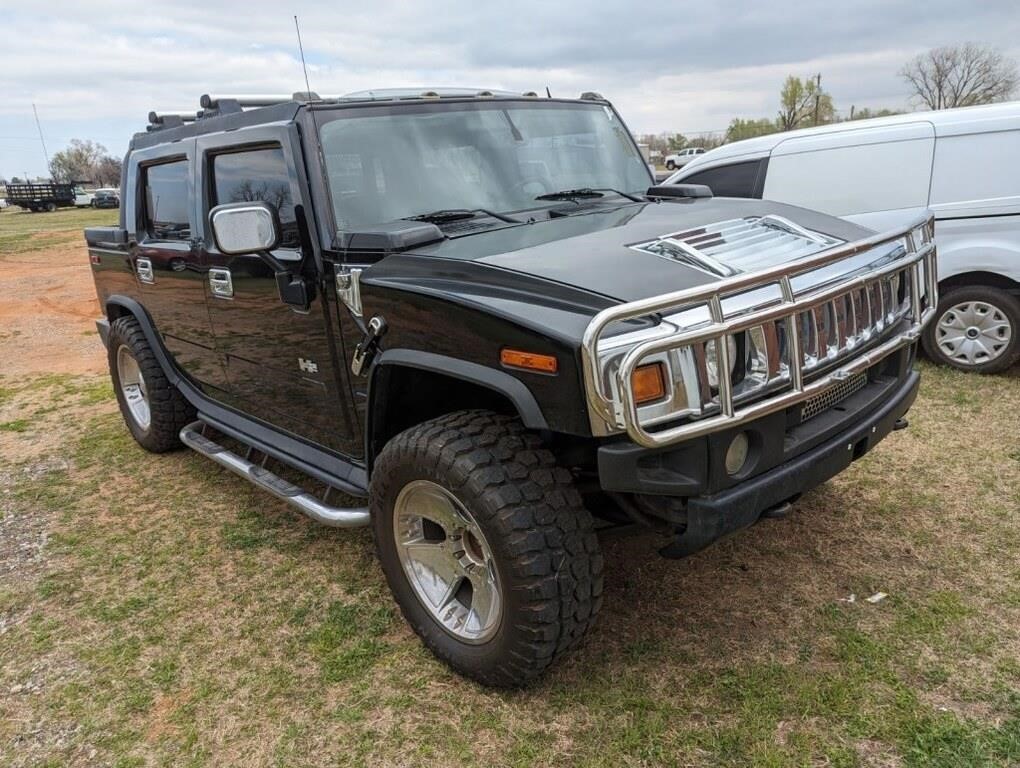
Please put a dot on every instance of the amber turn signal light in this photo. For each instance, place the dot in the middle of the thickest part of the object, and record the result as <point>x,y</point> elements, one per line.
<point>531,361</point>
<point>648,383</point>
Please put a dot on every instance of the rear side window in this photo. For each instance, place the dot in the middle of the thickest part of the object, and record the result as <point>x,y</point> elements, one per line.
<point>166,201</point>
<point>734,180</point>
<point>257,175</point>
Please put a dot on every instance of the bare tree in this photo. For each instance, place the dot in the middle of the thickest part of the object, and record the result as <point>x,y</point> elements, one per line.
<point>77,162</point>
<point>961,76</point>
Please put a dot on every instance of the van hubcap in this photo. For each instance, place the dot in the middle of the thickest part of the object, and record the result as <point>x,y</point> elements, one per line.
<point>447,561</point>
<point>973,332</point>
<point>132,386</point>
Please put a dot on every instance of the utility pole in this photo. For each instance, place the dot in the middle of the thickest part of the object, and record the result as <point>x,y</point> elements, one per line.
<point>41,139</point>
<point>818,94</point>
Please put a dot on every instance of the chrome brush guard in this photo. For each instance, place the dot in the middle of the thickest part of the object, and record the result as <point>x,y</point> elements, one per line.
<point>900,293</point>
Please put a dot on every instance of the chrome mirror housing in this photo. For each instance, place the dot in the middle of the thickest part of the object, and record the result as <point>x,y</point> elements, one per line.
<point>240,228</point>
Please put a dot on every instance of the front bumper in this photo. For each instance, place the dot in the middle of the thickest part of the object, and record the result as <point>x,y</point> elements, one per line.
<point>788,459</point>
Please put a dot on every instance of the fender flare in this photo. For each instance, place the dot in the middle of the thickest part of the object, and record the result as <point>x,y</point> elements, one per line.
<point>155,343</point>
<point>500,382</point>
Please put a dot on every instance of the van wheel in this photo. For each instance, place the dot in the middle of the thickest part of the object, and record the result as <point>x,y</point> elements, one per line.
<point>976,328</point>
<point>154,410</point>
<point>486,545</point>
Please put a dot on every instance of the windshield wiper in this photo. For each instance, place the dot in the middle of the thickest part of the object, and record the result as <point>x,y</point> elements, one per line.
<point>573,194</point>
<point>459,214</point>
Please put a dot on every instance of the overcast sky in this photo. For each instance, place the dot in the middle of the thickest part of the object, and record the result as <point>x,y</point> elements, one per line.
<point>94,69</point>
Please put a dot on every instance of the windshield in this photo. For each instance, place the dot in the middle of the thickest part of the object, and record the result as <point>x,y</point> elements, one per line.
<point>388,164</point>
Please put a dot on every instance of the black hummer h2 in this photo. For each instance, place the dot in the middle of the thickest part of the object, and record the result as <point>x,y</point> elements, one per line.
<point>474,312</point>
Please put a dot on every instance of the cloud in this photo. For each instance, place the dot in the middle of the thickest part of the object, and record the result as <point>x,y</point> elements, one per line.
<point>95,70</point>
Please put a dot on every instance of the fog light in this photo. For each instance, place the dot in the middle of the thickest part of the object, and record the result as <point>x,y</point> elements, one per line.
<point>736,454</point>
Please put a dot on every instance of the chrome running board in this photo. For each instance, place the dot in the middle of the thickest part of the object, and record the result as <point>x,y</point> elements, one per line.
<point>318,510</point>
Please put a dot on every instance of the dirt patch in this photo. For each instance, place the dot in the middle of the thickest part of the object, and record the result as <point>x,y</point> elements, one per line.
<point>48,312</point>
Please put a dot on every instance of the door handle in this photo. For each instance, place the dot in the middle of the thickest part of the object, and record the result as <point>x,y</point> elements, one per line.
<point>220,283</point>
<point>143,268</point>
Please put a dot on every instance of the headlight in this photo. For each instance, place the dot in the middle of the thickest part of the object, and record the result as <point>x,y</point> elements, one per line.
<point>712,361</point>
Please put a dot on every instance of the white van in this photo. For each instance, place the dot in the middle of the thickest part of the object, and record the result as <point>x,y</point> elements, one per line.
<point>963,164</point>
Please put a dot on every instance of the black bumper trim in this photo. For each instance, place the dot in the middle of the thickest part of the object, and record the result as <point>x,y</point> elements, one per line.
<point>712,516</point>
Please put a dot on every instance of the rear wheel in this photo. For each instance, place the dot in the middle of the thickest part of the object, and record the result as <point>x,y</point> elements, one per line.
<point>154,409</point>
<point>486,545</point>
<point>670,165</point>
<point>976,328</point>
<point>51,207</point>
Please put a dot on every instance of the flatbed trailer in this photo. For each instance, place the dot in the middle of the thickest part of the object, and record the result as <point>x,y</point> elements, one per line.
<point>41,196</point>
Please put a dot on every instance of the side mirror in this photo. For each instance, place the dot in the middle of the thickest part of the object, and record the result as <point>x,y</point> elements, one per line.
<point>240,228</point>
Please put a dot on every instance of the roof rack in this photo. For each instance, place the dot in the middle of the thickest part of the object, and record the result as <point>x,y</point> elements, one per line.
<point>160,120</point>
<point>214,105</point>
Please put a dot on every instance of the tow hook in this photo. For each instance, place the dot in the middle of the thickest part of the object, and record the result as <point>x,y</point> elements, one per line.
<point>368,346</point>
<point>900,423</point>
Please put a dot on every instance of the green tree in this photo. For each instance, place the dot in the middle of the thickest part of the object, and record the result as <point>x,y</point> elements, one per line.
<point>804,103</point>
<point>740,128</point>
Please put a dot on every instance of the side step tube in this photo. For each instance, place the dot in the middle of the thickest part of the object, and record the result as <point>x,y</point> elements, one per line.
<point>338,517</point>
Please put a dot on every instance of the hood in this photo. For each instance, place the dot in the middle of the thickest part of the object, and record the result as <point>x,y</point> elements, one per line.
<point>636,251</point>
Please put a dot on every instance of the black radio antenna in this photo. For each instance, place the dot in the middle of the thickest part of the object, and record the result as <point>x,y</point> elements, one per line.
<point>301,48</point>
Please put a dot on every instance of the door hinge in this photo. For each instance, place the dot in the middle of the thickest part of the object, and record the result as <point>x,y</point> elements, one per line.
<point>368,346</point>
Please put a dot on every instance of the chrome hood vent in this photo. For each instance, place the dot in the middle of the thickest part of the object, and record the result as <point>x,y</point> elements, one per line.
<point>728,248</point>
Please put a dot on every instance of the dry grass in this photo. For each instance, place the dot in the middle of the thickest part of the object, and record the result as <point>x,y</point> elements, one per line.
<point>180,617</point>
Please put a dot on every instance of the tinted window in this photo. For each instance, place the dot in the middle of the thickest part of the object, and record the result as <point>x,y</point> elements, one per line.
<point>166,201</point>
<point>260,174</point>
<point>736,180</point>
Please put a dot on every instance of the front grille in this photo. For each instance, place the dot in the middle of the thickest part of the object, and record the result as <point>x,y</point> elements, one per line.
<point>834,395</point>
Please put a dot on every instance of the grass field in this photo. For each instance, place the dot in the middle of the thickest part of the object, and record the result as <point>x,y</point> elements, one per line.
<point>156,610</point>
<point>21,231</point>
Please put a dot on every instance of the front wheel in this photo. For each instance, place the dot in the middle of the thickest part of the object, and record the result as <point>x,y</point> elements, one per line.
<point>486,546</point>
<point>976,328</point>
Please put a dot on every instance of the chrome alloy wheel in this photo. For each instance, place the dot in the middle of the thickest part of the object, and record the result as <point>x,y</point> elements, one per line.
<point>973,332</point>
<point>132,386</point>
<point>447,561</point>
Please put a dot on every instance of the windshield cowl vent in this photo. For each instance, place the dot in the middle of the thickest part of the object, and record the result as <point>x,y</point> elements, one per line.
<point>391,236</point>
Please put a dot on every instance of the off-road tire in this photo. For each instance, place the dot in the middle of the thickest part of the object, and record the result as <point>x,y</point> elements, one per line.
<point>1007,303</point>
<point>169,411</point>
<point>542,538</point>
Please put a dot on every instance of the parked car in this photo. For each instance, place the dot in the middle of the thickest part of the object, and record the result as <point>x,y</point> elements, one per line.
<point>83,198</point>
<point>683,157</point>
<point>4,203</point>
<point>106,198</point>
<point>467,320</point>
<point>962,164</point>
